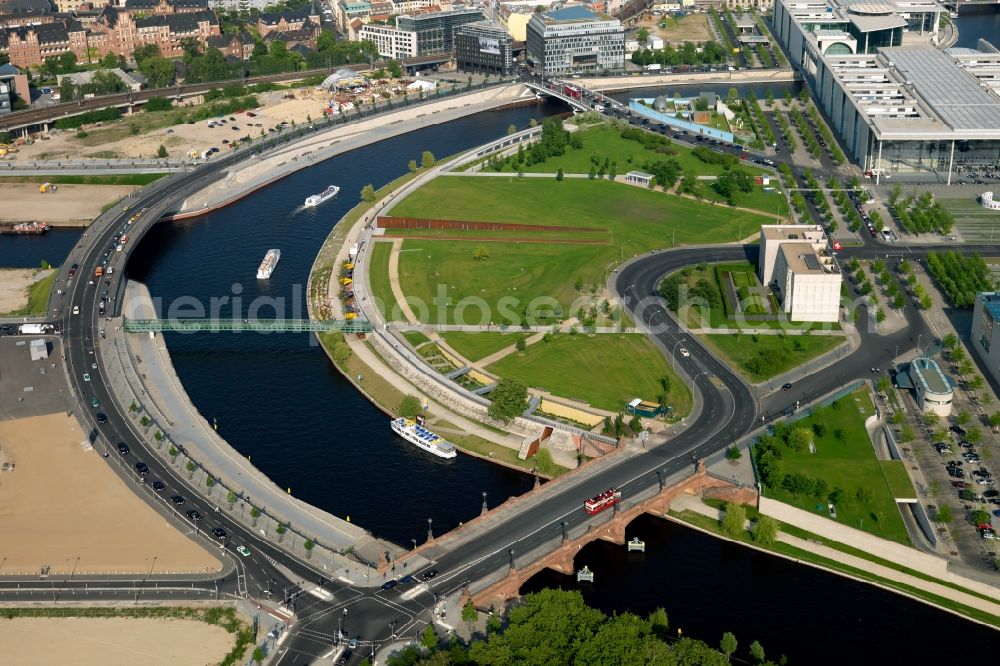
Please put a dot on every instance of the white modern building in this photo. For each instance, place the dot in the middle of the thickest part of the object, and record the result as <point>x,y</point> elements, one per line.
<point>795,263</point>
<point>932,389</point>
<point>575,40</point>
<point>390,41</point>
<point>902,107</point>
<point>985,334</point>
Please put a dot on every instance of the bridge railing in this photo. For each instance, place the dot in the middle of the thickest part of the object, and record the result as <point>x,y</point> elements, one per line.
<point>251,325</point>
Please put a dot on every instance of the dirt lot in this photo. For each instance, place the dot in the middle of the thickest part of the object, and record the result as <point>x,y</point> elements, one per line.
<point>69,205</point>
<point>62,506</point>
<point>691,28</point>
<point>108,641</point>
<point>115,141</point>
<point>14,283</point>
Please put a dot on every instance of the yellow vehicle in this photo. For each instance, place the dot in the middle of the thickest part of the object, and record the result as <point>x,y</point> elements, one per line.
<point>346,281</point>
<point>351,315</point>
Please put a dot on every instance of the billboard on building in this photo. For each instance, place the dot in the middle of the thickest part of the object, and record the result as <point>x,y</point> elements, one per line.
<point>488,45</point>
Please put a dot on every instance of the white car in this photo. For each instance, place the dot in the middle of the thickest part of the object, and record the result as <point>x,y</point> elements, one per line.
<point>684,352</point>
<point>76,309</point>
<point>243,550</point>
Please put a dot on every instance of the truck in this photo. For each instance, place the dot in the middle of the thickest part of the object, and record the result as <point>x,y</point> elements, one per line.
<point>34,329</point>
<point>655,67</point>
<point>572,92</point>
<point>99,271</point>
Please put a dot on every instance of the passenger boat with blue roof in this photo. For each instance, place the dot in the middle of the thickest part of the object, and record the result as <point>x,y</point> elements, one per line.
<point>415,433</point>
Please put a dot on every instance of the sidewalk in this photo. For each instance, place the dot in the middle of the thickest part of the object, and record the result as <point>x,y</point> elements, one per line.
<point>880,548</point>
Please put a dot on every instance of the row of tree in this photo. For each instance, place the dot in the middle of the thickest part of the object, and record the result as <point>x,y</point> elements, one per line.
<point>961,277</point>
<point>707,53</point>
<point>556,627</point>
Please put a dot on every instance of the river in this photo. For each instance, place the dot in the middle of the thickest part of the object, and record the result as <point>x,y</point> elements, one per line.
<point>278,400</point>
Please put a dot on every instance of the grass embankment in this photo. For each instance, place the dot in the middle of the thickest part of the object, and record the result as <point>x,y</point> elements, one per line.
<point>386,396</point>
<point>845,459</point>
<point>224,617</point>
<point>415,338</point>
<point>38,297</point>
<point>712,525</point>
<point>604,370</point>
<point>378,278</point>
<point>123,179</point>
<point>794,350</point>
<point>474,346</point>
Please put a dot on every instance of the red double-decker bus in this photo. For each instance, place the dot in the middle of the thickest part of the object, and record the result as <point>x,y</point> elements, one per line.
<point>605,500</point>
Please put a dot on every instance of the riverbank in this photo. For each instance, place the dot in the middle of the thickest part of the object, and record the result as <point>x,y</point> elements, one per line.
<point>622,83</point>
<point>25,291</point>
<point>68,206</point>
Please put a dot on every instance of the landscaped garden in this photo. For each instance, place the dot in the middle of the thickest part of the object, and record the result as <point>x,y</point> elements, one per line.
<point>760,357</point>
<point>476,345</point>
<point>606,371</point>
<point>827,458</point>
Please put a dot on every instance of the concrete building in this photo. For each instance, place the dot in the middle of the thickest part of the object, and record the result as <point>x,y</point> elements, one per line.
<point>901,107</point>
<point>795,263</point>
<point>932,389</point>
<point>639,178</point>
<point>575,40</point>
<point>985,334</point>
<point>420,34</point>
<point>484,47</point>
<point>39,350</point>
<point>238,5</point>
<point>83,78</point>
<point>13,84</point>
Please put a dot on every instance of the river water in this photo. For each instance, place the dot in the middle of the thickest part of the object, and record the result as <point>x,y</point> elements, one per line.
<point>278,400</point>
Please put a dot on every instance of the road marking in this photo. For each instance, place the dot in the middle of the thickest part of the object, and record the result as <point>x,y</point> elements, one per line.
<point>320,593</point>
<point>281,639</point>
<point>411,593</point>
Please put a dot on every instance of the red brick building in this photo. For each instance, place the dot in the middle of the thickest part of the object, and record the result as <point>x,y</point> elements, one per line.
<point>239,46</point>
<point>289,21</point>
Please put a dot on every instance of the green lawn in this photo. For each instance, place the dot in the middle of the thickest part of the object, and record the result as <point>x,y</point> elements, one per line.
<point>604,370</point>
<point>378,277</point>
<point>898,480</point>
<point>845,459</point>
<point>604,141</point>
<point>474,346</point>
<point>635,221</point>
<point>415,338</point>
<point>796,350</point>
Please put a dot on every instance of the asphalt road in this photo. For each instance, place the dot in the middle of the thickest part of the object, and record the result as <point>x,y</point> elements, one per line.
<point>727,408</point>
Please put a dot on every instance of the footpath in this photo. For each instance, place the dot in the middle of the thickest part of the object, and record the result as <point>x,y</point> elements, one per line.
<point>898,554</point>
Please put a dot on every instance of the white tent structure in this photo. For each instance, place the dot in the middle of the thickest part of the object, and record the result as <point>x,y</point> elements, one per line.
<point>341,77</point>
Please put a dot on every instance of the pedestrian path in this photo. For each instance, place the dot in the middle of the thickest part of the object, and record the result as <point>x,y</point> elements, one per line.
<point>889,552</point>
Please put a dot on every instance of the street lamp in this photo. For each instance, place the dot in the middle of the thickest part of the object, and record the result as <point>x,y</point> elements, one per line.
<point>485,508</point>
<point>511,553</point>
<point>414,543</point>
<point>673,358</point>
<point>430,531</point>
<point>563,524</point>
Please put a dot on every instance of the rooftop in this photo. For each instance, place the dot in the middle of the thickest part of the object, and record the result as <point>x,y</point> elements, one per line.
<point>574,13</point>
<point>991,302</point>
<point>802,258</point>
<point>930,376</point>
<point>791,232</point>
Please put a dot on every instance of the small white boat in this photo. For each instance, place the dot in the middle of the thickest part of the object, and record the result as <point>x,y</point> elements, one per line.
<point>267,266</point>
<point>415,433</point>
<point>317,199</point>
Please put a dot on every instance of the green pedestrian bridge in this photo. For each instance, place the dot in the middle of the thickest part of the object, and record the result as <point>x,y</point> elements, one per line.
<point>196,325</point>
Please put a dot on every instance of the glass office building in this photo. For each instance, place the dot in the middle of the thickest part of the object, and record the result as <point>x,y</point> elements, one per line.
<point>484,47</point>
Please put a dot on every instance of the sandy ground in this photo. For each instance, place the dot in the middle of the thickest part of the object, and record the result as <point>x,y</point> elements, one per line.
<point>185,137</point>
<point>63,506</point>
<point>70,205</point>
<point>691,28</point>
<point>108,641</point>
<point>14,283</point>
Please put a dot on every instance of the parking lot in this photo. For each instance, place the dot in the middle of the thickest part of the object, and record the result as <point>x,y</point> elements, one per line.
<point>30,388</point>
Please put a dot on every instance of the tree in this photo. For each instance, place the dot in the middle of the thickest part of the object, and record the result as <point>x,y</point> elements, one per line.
<point>950,341</point>
<point>480,253</point>
<point>191,467</point>
<point>109,61</point>
<point>559,174</point>
<point>658,621</point>
<point>173,452</point>
<point>469,614</point>
<point>368,193</point>
<point>309,545</point>
<point>733,453</point>
<point>864,495</point>
<point>281,529</point>
<point>67,62</point>
<point>512,129</point>
<point>395,70</point>
<point>145,51</point>
<point>765,530</point>
<point>231,499</point>
<point>258,655</point>
<point>341,352</point>
<point>210,482</point>
<point>427,159</point>
<point>158,71</point>
<point>255,514</point>
<point>429,638</point>
<point>635,425</point>
<point>507,400</point>
<point>963,418</point>
<point>162,152</point>
<point>412,166</point>
<point>757,652</point>
<point>410,406</point>
<point>930,419</point>
<point>906,434</point>
<point>734,520</point>
<point>521,344</point>
<point>728,644</point>
<point>943,514</point>
<point>67,91</point>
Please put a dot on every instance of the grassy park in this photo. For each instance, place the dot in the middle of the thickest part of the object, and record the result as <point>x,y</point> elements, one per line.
<point>628,367</point>
<point>760,357</point>
<point>378,275</point>
<point>838,466</point>
<point>474,346</point>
